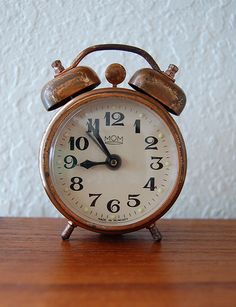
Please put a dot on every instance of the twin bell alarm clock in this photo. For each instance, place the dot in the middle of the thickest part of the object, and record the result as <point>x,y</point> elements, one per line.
<point>112,159</point>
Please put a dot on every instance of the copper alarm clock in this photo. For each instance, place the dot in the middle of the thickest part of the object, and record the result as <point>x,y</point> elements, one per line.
<point>113,160</point>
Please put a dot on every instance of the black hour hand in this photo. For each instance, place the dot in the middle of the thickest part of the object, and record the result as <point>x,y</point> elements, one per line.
<point>114,162</point>
<point>88,164</point>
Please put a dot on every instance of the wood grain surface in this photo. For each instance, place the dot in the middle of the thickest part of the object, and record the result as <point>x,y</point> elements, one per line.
<point>194,265</point>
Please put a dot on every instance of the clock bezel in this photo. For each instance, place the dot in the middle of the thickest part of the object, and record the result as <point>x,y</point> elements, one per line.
<point>60,117</point>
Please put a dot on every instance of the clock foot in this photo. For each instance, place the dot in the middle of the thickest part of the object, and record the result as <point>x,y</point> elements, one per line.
<point>66,233</point>
<point>155,232</point>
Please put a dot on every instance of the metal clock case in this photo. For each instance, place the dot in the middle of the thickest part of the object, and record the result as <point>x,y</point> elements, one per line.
<point>113,160</point>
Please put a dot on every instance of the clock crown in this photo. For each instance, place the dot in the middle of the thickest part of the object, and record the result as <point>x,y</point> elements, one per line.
<point>115,74</point>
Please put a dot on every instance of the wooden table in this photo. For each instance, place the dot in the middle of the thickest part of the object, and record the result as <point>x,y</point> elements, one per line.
<point>194,265</point>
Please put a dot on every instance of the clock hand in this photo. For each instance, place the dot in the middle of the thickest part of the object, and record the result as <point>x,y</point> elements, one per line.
<point>95,141</point>
<point>113,161</point>
<point>99,141</point>
<point>88,164</point>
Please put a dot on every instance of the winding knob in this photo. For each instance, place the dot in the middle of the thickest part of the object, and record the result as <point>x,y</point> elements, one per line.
<point>115,74</point>
<point>171,71</point>
<point>58,67</point>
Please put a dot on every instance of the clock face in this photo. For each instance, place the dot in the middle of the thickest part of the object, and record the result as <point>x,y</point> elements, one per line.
<point>113,161</point>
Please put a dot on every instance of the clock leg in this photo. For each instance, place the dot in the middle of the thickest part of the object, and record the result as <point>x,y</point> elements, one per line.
<point>155,232</point>
<point>65,235</point>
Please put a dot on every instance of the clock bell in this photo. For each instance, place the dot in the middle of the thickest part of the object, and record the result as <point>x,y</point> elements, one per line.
<point>75,80</point>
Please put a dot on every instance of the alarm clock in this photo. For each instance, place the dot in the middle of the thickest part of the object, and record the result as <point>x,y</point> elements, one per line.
<point>113,160</point>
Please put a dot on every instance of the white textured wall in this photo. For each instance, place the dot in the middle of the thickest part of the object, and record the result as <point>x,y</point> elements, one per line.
<point>198,36</point>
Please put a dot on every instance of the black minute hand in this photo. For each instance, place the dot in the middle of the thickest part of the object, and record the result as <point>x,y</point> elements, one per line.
<point>97,139</point>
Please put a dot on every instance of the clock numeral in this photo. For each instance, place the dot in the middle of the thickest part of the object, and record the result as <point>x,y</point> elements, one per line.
<point>70,161</point>
<point>113,205</point>
<point>95,199</point>
<point>150,184</point>
<point>76,184</point>
<point>157,164</point>
<point>94,124</point>
<point>133,200</point>
<point>80,143</point>
<point>117,117</point>
<point>137,125</point>
<point>151,141</point>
